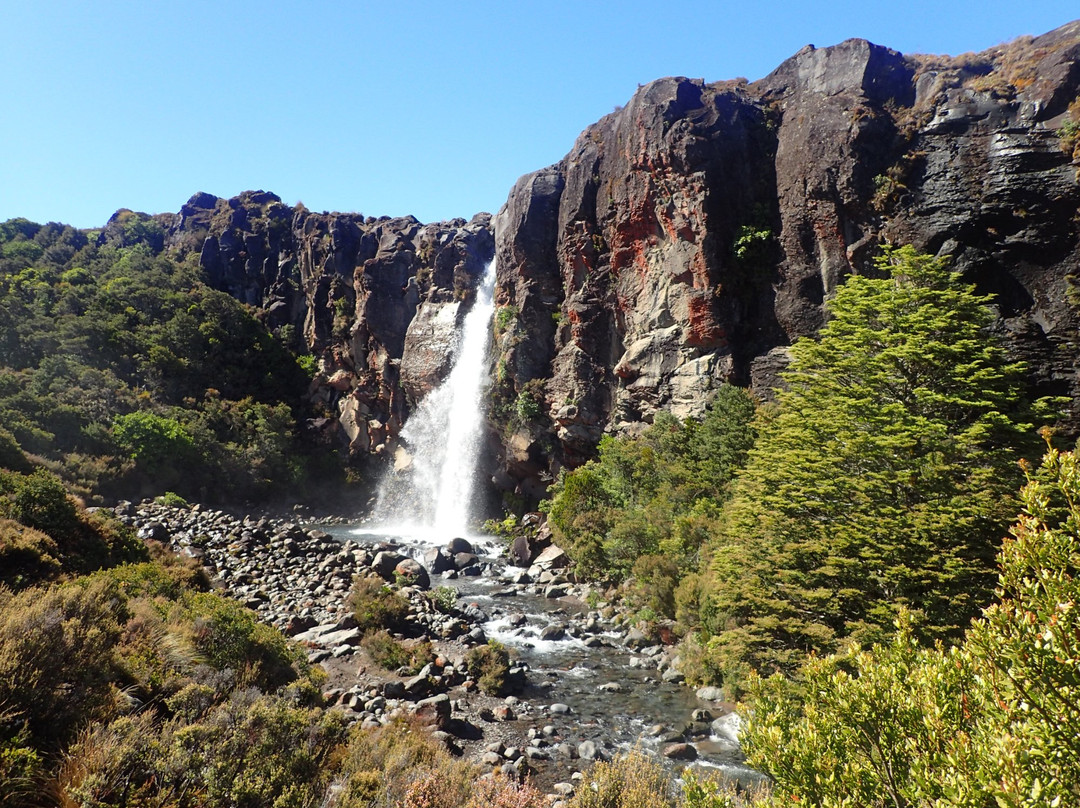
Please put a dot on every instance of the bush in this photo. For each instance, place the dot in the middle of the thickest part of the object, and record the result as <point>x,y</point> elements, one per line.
<point>376,606</point>
<point>498,791</point>
<point>633,781</point>
<point>227,636</point>
<point>27,556</point>
<point>381,765</point>
<point>393,654</point>
<point>56,658</point>
<point>489,665</point>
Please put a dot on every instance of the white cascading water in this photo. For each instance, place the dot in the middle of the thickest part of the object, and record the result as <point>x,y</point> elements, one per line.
<point>443,436</point>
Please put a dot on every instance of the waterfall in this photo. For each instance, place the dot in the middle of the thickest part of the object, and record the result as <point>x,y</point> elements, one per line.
<point>434,494</point>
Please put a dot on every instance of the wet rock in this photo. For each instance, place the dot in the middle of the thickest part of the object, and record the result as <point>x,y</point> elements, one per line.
<point>553,632</point>
<point>438,560</point>
<point>459,545</point>
<point>680,751</point>
<point>588,750</point>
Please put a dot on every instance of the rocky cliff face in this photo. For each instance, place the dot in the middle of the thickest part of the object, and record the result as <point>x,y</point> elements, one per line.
<point>684,241</point>
<point>690,236</point>
<point>374,300</point>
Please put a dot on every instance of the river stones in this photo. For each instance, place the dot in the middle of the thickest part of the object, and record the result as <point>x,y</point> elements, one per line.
<point>680,751</point>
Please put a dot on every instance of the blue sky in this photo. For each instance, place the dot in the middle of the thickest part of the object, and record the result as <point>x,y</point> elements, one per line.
<point>388,108</point>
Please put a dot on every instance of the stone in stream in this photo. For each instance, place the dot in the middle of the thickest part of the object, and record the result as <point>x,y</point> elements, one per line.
<point>553,632</point>
<point>459,545</point>
<point>680,751</point>
<point>438,560</point>
<point>588,750</point>
<point>464,560</point>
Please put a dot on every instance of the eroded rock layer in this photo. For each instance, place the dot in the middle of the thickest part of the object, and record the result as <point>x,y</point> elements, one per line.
<point>688,237</point>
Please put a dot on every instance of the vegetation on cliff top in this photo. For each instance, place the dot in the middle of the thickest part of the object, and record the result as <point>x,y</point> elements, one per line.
<point>127,375</point>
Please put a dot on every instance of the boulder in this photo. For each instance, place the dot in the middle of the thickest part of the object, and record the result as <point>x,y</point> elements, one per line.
<point>413,573</point>
<point>385,563</point>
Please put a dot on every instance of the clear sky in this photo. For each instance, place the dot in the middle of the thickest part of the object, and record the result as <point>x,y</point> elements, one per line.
<point>388,108</point>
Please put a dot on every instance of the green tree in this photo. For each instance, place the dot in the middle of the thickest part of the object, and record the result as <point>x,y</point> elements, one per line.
<point>993,721</point>
<point>883,479</point>
<point>655,493</point>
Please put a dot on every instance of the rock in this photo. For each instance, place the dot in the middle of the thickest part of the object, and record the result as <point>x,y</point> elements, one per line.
<point>551,558</point>
<point>413,573</point>
<point>680,751</point>
<point>434,711</point>
<point>710,694</point>
<point>385,563</point>
<point>588,750</point>
<point>553,632</point>
<point>556,591</point>
<point>464,560</point>
<point>438,560</point>
<point>558,708</point>
<point>459,545</point>
<point>672,675</point>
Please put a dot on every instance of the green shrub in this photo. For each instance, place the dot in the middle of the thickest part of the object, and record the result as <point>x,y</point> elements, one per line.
<point>652,585</point>
<point>377,606</point>
<point>172,500</point>
<point>393,654</point>
<point>22,770</point>
<point>228,636</point>
<point>489,666</point>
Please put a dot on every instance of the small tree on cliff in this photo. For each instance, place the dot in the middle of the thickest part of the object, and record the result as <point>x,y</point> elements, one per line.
<point>884,478</point>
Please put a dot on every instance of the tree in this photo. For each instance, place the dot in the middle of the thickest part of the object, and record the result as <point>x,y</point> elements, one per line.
<point>883,479</point>
<point>993,721</point>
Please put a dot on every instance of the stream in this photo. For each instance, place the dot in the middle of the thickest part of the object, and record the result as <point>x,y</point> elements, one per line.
<point>612,701</point>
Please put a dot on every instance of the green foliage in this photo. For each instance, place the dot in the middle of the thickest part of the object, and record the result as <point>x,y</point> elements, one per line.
<point>883,479</point>
<point>993,721</point>
<point>227,636</point>
<point>527,406</point>
<point>376,606</point>
<point>394,655</point>
<point>153,440</point>
<point>505,316</point>
<point>124,333</point>
<point>655,494</point>
<point>489,666</point>
<point>172,500</point>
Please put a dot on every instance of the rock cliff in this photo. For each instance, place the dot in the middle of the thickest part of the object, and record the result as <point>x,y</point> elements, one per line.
<point>374,300</point>
<point>684,241</point>
<point>688,237</point>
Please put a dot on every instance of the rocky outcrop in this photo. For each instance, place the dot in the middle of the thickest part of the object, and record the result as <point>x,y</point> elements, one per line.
<point>375,301</point>
<point>687,238</point>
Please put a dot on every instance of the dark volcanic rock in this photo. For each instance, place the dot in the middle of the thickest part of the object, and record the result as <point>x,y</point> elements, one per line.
<point>687,238</point>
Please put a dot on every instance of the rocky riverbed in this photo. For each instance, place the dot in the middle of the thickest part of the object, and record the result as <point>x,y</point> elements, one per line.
<point>585,686</point>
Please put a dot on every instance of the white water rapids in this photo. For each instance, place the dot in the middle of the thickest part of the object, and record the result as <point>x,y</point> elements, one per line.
<point>433,498</point>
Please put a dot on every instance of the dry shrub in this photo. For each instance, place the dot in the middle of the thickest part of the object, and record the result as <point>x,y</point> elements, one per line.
<point>27,556</point>
<point>499,791</point>
<point>632,781</point>
<point>56,657</point>
<point>489,665</point>
<point>381,766</point>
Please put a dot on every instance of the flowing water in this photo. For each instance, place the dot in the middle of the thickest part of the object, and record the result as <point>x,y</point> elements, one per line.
<point>433,496</point>
<point>610,701</point>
